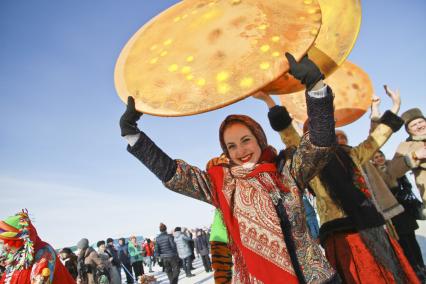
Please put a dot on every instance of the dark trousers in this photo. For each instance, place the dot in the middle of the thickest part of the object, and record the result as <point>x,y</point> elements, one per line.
<point>187,264</point>
<point>128,272</point>
<point>411,249</point>
<point>138,268</point>
<point>206,262</point>
<point>171,267</point>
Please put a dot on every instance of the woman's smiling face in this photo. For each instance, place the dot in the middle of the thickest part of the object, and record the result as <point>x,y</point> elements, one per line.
<point>241,144</point>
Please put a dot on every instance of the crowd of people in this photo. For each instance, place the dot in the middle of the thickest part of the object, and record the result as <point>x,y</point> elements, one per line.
<point>172,250</point>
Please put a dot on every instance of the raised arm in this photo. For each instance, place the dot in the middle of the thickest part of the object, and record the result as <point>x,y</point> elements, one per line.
<point>381,129</point>
<point>176,175</point>
<point>318,143</point>
<point>315,147</point>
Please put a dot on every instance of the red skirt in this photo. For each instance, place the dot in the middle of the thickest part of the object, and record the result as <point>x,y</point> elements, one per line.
<point>348,254</point>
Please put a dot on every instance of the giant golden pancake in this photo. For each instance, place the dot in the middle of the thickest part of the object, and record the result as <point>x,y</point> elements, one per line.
<point>341,21</point>
<point>353,93</point>
<point>200,55</point>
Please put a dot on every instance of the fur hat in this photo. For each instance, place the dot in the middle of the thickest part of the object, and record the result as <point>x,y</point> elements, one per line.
<point>411,115</point>
<point>83,244</point>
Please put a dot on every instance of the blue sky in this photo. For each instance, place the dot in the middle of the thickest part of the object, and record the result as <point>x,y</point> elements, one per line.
<point>61,154</point>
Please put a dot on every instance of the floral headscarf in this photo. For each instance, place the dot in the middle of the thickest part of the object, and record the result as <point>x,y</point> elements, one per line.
<point>254,127</point>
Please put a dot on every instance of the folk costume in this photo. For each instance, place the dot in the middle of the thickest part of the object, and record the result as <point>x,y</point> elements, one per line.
<point>220,251</point>
<point>352,232</point>
<point>405,223</point>
<point>406,151</point>
<point>267,247</point>
<point>34,260</point>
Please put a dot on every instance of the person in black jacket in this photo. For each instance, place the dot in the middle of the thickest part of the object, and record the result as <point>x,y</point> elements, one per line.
<point>123,255</point>
<point>202,247</point>
<point>70,261</point>
<point>114,259</point>
<point>165,248</point>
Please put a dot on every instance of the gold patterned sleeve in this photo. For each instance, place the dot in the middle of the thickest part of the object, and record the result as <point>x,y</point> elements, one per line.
<point>289,136</point>
<point>191,181</point>
<point>308,161</point>
<point>377,138</point>
<point>389,123</point>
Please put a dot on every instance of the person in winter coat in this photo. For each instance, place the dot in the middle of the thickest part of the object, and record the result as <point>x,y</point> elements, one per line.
<point>261,205</point>
<point>188,233</point>
<point>89,263</point>
<point>69,260</point>
<point>413,150</point>
<point>165,248</point>
<point>405,223</point>
<point>183,249</point>
<point>352,231</point>
<point>136,256</point>
<point>149,254</point>
<point>123,255</point>
<point>202,247</point>
<point>104,276</point>
<point>26,257</point>
<point>112,252</point>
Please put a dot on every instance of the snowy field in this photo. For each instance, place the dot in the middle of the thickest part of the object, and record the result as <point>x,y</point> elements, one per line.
<point>200,275</point>
<point>207,278</point>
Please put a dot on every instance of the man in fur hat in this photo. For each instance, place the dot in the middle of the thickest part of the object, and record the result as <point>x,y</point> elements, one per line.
<point>414,148</point>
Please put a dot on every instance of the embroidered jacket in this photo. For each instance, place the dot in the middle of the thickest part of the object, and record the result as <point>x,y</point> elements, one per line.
<point>327,208</point>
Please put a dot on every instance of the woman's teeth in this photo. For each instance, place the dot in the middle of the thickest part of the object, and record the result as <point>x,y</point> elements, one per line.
<point>246,158</point>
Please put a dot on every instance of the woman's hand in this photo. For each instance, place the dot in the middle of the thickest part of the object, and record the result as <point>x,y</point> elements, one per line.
<point>306,72</point>
<point>129,118</point>
<point>395,97</point>
<point>375,109</point>
<point>266,98</point>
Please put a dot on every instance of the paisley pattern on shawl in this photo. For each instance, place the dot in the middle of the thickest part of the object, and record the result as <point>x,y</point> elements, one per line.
<point>251,218</point>
<point>259,225</point>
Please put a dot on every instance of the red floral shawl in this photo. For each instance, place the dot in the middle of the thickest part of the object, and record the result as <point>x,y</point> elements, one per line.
<point>255,262</point>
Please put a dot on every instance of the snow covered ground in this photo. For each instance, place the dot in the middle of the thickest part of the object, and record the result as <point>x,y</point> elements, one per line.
<point>200,275</point>
<point>207,278</point>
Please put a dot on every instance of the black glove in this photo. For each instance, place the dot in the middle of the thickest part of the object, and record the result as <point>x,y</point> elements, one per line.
<point>305,71</point>
<point>129,118</point>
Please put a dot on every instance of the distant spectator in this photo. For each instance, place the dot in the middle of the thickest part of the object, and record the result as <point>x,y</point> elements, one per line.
<point>202,248</point>
<point>165,248</point>
<point>103,275</point>
<point>88,263</point>
<point>149,254</point>
<point>136,256</point>
<point>123,254</point>
<point>191,244</point>
<point>114,260</point>
<point>70,261</point>
<point>184,251</point>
